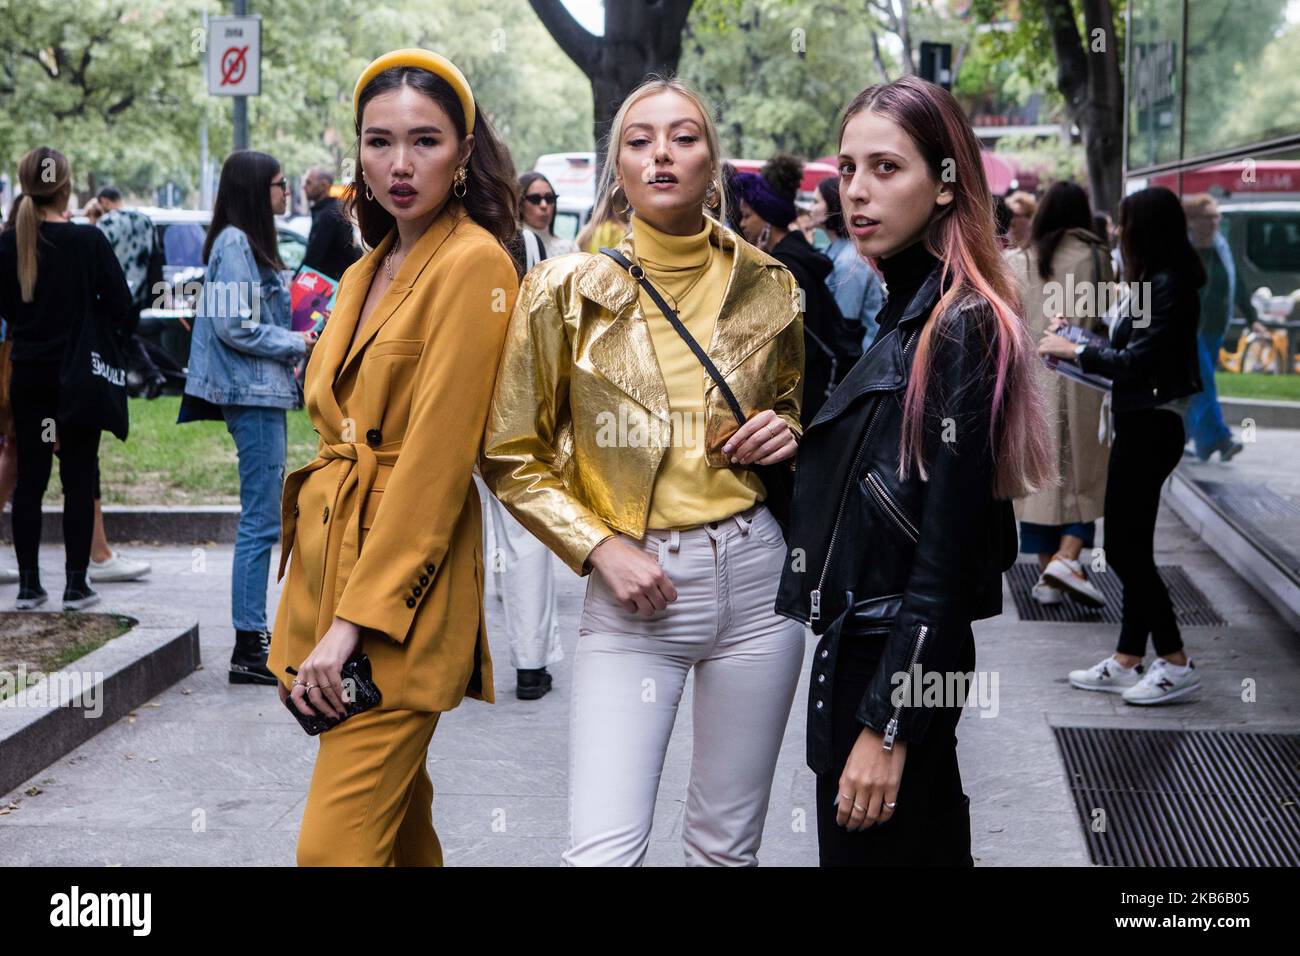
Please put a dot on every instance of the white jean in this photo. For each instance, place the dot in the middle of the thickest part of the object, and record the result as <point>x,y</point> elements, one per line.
<point>523,573</point>
<point>628,675</point>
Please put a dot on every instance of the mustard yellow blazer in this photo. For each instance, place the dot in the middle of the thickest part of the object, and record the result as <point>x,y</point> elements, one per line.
<point>382,527</point>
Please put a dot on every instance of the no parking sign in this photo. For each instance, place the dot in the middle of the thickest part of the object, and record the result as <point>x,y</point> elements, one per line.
<point>235,56</point>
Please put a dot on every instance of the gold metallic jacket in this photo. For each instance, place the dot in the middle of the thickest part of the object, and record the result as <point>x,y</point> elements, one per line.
<point>580,417</point>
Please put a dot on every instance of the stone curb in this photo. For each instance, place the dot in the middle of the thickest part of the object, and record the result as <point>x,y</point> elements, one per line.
<point>58,714</point>
<point>196,524</point>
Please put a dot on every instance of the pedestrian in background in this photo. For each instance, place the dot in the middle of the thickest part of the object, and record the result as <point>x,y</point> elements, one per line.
<point>1057,523</point>
<point>853,281</point>
<point>1152,360</point>
<point>537,199</point>
<point>1205,422</point>
<point>55,276</point>
<point>242,360</point>
<point>331,243</point>
<point>767,210</point>
<point>1022,206</point>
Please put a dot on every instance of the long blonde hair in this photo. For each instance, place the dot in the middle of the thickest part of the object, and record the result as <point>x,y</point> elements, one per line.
<point>652,85</point>
<point>46,180</point>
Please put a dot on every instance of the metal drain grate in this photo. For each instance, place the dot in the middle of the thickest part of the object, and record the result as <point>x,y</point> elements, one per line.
<point>1191,606</point>
<point>1185,798</point>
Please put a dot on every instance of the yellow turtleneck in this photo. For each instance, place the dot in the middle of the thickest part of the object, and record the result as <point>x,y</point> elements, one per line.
<point>693,271</point>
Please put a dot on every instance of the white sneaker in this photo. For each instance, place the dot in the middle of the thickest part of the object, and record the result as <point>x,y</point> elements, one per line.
<point>1164,682</point>
<point>1044,593</point>
<point>1107,675</point>
<point>1069,577</point>
<point>118,568</point>
<point>8,575</point>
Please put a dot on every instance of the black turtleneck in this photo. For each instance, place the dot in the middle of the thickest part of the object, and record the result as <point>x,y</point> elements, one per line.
<point>904,273</point>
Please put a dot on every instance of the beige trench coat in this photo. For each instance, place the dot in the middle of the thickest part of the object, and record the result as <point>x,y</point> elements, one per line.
<point>1073,411</point>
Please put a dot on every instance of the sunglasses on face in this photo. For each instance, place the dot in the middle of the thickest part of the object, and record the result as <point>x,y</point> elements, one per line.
<point>280,183</point>
<point>538,198</point>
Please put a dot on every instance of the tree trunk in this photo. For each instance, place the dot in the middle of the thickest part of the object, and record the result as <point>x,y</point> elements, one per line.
<point>640,39</point>
<point>1088,76</point>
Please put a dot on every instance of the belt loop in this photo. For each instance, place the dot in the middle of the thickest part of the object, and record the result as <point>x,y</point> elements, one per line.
<point>742,523</point>
<point>662,545</point>
<point>674,540</point>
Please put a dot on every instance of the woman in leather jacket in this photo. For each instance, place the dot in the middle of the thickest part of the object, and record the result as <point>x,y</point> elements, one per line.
<point>1152,360</point>
<point>902,521</point>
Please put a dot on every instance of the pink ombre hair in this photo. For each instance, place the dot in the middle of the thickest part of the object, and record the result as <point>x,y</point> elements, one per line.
<point>961,234</point>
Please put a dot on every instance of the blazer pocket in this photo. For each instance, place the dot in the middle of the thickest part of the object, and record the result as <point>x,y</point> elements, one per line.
<point>396,347</point>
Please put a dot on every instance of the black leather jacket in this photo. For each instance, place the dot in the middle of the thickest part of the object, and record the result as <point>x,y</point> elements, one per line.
<point>913,561</point>
<point>1152,360</point>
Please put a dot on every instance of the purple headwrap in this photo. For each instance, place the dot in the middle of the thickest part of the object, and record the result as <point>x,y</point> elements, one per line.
<point>754,189</point>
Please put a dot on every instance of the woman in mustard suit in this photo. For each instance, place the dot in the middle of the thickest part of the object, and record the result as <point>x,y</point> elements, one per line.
<point>382,530</point>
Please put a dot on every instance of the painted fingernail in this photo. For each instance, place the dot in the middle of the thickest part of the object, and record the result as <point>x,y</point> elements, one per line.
<point>726,449</point>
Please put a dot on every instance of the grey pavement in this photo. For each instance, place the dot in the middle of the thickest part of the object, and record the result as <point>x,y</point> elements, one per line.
<point>210,774</point>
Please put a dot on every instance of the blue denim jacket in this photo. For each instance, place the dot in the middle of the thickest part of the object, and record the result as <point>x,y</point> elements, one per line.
<point>243,351</point>
<point>856,287</point>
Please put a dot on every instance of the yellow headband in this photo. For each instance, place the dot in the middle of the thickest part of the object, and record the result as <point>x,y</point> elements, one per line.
<point>425,60</point>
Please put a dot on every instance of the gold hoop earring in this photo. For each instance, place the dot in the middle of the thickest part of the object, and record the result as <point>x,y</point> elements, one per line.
<point>712,198</point>
<point>458,188</point>
<point>627,206</point>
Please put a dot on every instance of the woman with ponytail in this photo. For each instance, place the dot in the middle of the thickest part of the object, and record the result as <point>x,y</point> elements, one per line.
<point>382,529</point>
<point>902,521</point>
<point>55,276</point>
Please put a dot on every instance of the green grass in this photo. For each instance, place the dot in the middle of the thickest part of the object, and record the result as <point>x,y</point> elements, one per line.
<point>1284,388</point>
<point>165,463</point>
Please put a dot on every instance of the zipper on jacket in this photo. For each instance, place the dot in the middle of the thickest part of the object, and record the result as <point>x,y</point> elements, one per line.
<point>892,508</point>
<point>815,598</point>
<point>891,728</point>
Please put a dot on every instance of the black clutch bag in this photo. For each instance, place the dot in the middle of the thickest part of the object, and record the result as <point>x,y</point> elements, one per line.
<point>359,694</point>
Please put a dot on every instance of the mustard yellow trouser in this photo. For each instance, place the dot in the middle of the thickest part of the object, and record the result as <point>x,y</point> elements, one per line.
<point>371,799</point>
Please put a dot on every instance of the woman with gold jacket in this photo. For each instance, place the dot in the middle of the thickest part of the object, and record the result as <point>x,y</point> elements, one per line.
<point>610,443</point>
<point>382,530</point>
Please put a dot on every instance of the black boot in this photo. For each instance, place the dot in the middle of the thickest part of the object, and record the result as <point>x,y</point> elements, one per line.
<point>532,684</point>
<point>77,593</point>
<point>248,661</point>
<point>30,592</point>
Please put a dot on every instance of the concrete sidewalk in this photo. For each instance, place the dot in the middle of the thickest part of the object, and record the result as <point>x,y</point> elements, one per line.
<point>211,774</point>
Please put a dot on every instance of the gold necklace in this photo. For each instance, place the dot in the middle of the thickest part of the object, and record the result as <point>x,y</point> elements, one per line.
<point>388,259</point>
<point>694,282</point>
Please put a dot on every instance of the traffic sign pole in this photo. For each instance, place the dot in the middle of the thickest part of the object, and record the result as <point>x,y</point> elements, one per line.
<point>241,102</point>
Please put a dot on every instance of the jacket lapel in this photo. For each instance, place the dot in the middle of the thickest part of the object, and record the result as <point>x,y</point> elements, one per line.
<point>622,350</point>
<point>881,368</point>
<point>745,318</point>
<point>414,264</point>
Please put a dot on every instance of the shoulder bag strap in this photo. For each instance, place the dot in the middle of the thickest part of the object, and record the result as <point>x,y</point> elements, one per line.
<point>638,274</point>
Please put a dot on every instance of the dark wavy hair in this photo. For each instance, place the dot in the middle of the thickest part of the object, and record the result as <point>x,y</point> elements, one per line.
<point>1065,206</point>
<point>1153,237</point>
<point>489,175</point>
<point>829,188</point>
<point>244,201</point>
<point>783,173</point>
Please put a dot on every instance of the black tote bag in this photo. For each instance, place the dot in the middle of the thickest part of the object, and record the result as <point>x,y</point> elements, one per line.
<point>92,381</point>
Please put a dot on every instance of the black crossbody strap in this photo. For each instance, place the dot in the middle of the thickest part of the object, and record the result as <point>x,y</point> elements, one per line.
<point>638,274</point>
